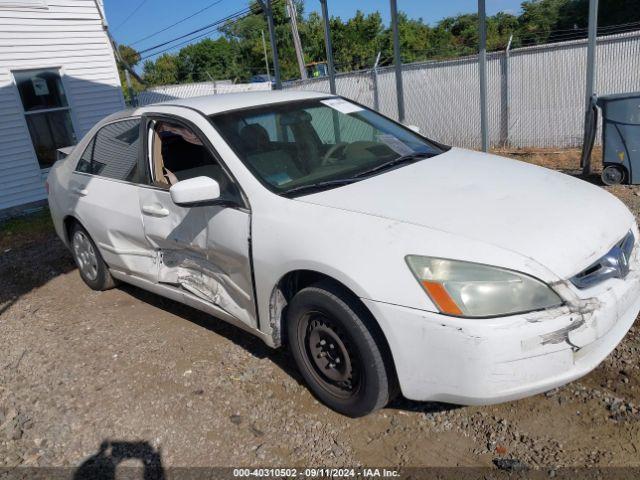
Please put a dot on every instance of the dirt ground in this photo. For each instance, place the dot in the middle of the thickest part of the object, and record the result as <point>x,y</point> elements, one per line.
<point>79,368</point>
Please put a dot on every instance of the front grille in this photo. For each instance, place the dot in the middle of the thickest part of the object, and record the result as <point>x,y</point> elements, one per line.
<point>614,264</point>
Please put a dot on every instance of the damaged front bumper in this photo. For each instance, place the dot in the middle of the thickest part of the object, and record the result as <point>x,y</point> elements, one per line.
<point>483,361</point>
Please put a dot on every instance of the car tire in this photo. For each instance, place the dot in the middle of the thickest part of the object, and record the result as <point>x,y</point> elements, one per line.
<point>93,271</point>
<point>338,350</point>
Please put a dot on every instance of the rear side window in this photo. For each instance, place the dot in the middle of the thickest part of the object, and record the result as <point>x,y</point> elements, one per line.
<point>113,152</point>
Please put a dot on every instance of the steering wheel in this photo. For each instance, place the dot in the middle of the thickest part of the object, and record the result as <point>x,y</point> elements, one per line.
<point>326,159</point>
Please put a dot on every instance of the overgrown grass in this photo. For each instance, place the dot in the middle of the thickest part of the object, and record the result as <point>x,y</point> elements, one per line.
<point>24,229</point>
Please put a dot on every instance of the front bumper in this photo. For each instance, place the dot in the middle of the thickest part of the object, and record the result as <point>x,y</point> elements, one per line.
<point>483,361</point>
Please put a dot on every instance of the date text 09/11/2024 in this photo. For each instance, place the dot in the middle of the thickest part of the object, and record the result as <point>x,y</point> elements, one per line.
<point>316,472</point>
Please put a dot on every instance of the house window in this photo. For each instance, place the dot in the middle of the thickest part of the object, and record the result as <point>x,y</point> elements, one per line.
<point>47,112</point>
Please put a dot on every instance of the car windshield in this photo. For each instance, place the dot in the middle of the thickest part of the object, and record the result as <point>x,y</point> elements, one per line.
<point>299,146</point>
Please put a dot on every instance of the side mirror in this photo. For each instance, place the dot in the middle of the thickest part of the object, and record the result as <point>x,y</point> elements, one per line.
<point>415,128</point>
<point>194,191</point>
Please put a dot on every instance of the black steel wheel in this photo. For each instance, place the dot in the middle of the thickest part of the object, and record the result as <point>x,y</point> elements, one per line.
<point>330,354</point>
<point>340,354</point>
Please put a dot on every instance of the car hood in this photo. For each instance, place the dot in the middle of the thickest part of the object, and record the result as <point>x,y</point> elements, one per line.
<point>563,223</point>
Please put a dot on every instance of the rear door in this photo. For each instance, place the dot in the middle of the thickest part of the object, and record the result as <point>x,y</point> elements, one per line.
<point>203,250</point>
<point>104,187</point>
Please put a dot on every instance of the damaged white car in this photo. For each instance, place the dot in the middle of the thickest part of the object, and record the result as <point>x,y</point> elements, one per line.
<point>383,260</point>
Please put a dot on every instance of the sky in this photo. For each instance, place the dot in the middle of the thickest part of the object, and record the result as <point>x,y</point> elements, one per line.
<point>131,20</point>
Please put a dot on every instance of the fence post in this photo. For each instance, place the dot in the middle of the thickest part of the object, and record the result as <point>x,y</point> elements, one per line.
<point>482,63</point>
<point>590,87</point>
<point>374,79</point>
<point>266,7</point>
<point>329,49</point>
<point>504,96</point>
<point>396,59</point>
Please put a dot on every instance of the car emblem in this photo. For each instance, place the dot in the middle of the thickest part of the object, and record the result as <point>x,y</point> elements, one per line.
<point>617,260</point>
<point>615,264</point>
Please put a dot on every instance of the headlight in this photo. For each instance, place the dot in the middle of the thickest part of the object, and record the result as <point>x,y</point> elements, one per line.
<point>467,289</point>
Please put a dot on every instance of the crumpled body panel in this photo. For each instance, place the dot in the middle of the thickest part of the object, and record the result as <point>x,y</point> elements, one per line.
<point>204,251</point>
<point>206,280</point>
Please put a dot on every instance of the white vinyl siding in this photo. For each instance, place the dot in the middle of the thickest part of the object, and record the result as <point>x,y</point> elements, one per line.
<point>13,4</point>
<point>66,35</point>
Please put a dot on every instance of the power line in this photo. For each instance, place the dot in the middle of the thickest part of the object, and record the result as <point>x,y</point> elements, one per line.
<point>197,30</point>
<point>552,37</point>
<point>209,30</point>
<point>130,15</point>
<point>206,30</point>
<point>559,38</point>
<point>177,23</point>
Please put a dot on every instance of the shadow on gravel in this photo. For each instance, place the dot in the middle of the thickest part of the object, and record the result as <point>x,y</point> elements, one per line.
<point>243,339</point>
<point>257,348</point>
<point>592,178</point>
<point>102,465</point>
<point>31,265</point>
<point>401,403</point>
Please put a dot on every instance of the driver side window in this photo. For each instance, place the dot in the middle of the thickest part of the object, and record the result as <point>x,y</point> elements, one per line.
<point>177,153</point>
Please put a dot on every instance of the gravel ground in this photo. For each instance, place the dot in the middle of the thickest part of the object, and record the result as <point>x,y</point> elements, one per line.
<point>79,368</point>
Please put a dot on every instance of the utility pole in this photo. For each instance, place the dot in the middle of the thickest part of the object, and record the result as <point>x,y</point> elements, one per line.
<point>482,63</point>
<point>591,80</point>
<point>293,16</point>
<point>329,49</point>
<point>266,58</point>
<point>266,7</point>
<point>132,94</point>
<point>397,60</point>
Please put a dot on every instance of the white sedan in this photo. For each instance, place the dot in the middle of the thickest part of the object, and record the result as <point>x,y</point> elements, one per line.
<point>383,260</point>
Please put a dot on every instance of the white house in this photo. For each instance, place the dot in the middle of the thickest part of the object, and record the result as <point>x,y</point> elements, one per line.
<point>58,77</point>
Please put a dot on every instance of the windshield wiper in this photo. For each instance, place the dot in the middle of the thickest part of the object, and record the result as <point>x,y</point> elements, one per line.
<point>316,187</point>
<point>410,158</point>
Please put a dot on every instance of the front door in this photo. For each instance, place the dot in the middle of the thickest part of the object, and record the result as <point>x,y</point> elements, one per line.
<point>203,250</point>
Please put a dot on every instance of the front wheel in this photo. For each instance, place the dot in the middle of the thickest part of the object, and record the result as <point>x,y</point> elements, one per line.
<point>339,354</point>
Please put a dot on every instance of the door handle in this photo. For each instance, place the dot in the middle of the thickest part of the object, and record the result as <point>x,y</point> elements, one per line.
<point>80,191</point>
<point>155,211</point>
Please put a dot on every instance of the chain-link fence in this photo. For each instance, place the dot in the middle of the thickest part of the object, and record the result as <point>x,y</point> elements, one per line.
<point>535,95</point>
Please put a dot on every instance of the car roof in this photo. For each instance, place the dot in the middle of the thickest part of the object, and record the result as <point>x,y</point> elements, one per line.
<point>212,104</point>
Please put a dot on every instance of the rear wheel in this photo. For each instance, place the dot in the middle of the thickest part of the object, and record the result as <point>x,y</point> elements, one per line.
<point>93,270</point>
<point>339,355</point>
<point>613,175</point>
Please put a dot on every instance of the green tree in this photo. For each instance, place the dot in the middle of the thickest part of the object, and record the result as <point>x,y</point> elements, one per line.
<point>538,19</point>
<point>211,60</point>
<point>131,58</point>
<point>238,53</point>
<point>162,71</point>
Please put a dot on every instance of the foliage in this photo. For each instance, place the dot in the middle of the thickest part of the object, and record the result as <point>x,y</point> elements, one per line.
<point>238,52</point>
<point>131,58</point>
<point>164,71</point>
